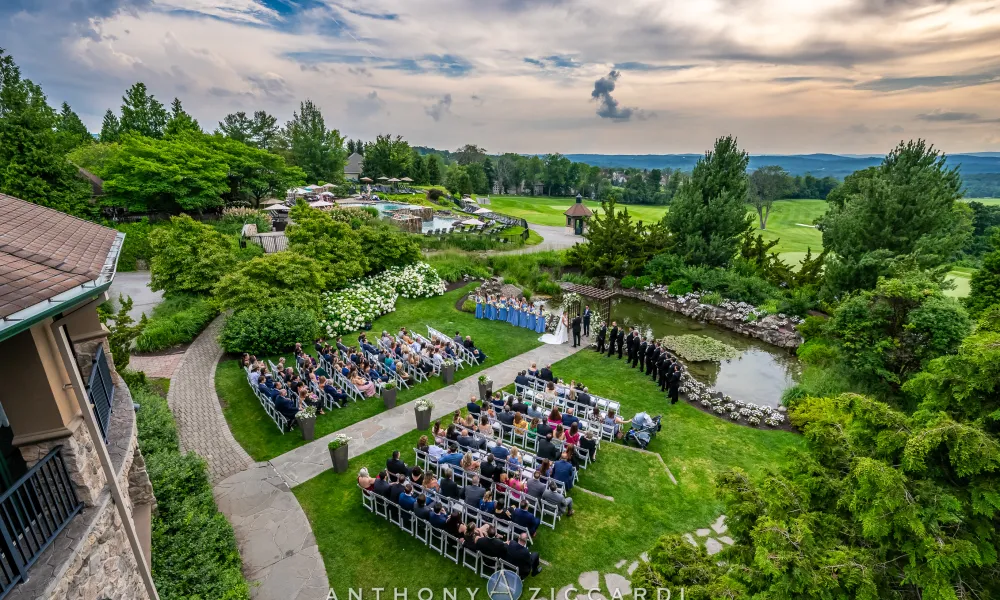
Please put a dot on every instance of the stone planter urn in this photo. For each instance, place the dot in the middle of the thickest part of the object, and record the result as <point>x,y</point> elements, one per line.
<point>448,374</point>
<point>389,397</point>
<point>423,418</point>
<point>485,390</point>
<point>339,458</point>
<point>308,427</point>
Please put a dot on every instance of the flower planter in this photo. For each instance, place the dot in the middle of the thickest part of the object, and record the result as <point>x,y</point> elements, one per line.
<point>308,427</point>
<point>485,390</point>
<point>389,397</point>
<point>423,418</point>
<point>448,374</point>
<point>339,459</point>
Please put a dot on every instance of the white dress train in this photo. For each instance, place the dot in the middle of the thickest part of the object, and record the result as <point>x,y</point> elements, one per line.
<point>561,335</point>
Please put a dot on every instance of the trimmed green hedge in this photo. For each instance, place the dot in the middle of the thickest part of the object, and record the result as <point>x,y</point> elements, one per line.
<point>194,548</point>
<point>177,320</point>
<point>269,331</point>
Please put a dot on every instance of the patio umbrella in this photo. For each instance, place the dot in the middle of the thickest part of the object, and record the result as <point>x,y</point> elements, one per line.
<point>366,179</point>
<point>475,222</point>
<point>393,180</point>
<point>328,194</point>
<point>277,207</point>
<point>320,204</point>
<point>383,178</point>
<point>407,180</point>
<point>481,211</point>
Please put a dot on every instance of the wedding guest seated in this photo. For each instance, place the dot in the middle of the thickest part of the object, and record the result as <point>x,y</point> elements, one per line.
<point>614,422</point>
<point>520,424</point>
<point>526,561</point>
<point>341,346</point>
<point>364,481</point>
<point>422,511</point>
<point>382,485</point>
<point>552,495</point>
<point>501,510</point>
<point>559,434</point>
<point>334,392</point>
<point>555,418</point>
<point>455,526</point>
<point>500,451</point>
<point>255,376</point>
<point>366,387</point>
<point>514,484</point>
<point>487,505</point>
<point>525,517</point>
<point>488,469</point>
<point>449,488</point>
<point>469,464</point>
<point>479,356</point>
<point>506,417</point>
<point>545,468</point>
<point>497,400</point>
<point>533,371</point>
<point>401,372</point>
<point>407,501</point>
<point>453,457</point>
<point>473,406</point>
<point>491,545</point>
<point>569,418</point>
<point>522,379</point>
<point>563,471</point>
<point>588,443</point>
<point>543,428</point>
<point>583,397</point>
<point>474,492</point>
<point>438,516</point>
<point>535,487</point>
<point>519,406</point>
<point>467,343</point>
<point>285,405</point>
<point>546,449</point>
<point>514,460</point>
<point>467,440</point>
<point>431,484</point>
<point>396,489</point>
<point>396,466</point>
<point>573,435</point>
<point>546,373</point>
<point>416,475</point>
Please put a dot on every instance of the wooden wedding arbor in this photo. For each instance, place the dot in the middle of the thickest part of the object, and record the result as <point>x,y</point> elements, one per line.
<point>600,299</point>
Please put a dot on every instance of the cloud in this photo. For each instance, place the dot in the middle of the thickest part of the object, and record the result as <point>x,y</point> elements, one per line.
<point>366,106</point>
<point>607,106</point>
<point>554,61</point>
<point>439,109</point>
<point>477,99</point>
<point>895,84</point>
<point>944,116</point>
<point>642,66</point>
<point>862,129</point>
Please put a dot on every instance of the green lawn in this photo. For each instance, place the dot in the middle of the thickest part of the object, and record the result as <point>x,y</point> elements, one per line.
<point>261,438</point>
<point>543,210</point>
<point>696,446</point>
<point>990,201</point>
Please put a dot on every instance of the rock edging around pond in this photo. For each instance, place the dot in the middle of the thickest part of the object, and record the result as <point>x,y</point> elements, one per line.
<point>776,330</point>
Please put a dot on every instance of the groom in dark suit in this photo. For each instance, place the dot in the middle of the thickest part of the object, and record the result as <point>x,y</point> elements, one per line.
<point>577,324</point>
<point>586,321</point>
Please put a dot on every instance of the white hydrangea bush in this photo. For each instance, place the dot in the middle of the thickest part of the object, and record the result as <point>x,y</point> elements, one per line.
<point>353,307</point>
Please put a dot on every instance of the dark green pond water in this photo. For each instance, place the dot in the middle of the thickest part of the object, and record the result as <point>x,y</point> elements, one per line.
<point>759,375</point>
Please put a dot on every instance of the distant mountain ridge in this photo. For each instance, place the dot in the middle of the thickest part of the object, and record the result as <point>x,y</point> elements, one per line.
<point>820,165</point>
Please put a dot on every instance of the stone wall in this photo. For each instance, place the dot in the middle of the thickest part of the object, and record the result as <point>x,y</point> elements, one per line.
<point>425,213</point>
<point>408,223</point>
<point>777,330</point>
<point>82,462</point>
<point>102,564</point>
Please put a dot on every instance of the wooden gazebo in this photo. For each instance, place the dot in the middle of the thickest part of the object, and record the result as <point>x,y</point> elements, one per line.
<point>577,215</point>
<point>601,299</point>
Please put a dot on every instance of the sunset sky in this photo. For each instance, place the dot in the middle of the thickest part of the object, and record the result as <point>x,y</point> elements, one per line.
<point>625,76</point>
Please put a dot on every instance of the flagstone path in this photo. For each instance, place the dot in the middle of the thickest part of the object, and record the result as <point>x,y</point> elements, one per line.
<point>277,545</point>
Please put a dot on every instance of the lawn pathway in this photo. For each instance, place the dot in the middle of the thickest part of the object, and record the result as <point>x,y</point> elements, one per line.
<point>308,461</point>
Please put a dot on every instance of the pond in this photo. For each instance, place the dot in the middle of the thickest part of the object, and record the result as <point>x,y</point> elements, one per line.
<point>759,375</point>
<point>384,208</point>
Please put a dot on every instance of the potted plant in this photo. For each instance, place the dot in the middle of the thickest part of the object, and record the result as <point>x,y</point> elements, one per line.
<point>448,371</point>
<point>485,387</point>
<point>338,452</point>
<point>307,422</point>
<point>389,391</point>
<point>422,409</point>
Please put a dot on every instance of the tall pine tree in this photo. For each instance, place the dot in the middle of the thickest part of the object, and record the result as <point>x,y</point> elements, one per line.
<point>309,145</point>
<point>180,121</point>
<point>72,132</point>
<point>142,113</point>
<point>111,128</point>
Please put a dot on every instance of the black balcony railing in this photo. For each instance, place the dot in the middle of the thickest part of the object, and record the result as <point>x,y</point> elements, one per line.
<point>33,512</point>
<point>101,389</point>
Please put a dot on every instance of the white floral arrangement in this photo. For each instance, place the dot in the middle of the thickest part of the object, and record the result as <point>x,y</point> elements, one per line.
<point>422,405</point>
<point>353,307</point>
<point>775,419</point>
<point>484,379</point>
<point>308,412</point>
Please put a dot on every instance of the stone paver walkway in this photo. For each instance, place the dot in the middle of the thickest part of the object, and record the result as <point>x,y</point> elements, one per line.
<point>192,398</point>
<point>279,552</point>
<point>164,365</point>
<point>308,461</point>
<point>276,541</point>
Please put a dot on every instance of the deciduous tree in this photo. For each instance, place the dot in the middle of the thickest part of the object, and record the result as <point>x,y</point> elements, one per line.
<point>188,256</point>
<point>334,245</point>
<point>307,143</point>
<point>179,121</point>
<point>766,185</point>
<point>142,113</point>
<point>72,132</point>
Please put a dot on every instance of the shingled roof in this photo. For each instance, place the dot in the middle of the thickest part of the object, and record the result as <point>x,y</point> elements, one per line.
<point>354,164</point>
<point>44,253</point>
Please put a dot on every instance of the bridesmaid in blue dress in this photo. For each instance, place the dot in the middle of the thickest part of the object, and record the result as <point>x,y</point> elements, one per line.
<point>512,313</point>
<point>488,308</point>
<point>502,312</point>
<point>524,314</point>
<point>531,319</point>
<point>540,322</point>
<point>479,306</point>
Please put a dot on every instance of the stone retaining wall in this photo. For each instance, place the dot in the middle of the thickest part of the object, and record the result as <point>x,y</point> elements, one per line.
<point>772,329</point>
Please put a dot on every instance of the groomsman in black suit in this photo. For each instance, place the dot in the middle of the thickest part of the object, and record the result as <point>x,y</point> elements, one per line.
<point>650,348</point>
<point>621,342</point>
<point>586,321</point>
<point>577,323</point>
<point>613,339</point>
<point>654,363</point>
<point>629,341</point>
<point>664,367</point>
<point>640,352</point>
<point>602,334</point>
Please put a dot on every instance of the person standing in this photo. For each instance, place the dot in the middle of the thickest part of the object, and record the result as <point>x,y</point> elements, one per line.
<point>577,325</point>
<point>586,321</point>
<point>602,335</point>
<point>652,361</point>
<point>629,341</point>
<point>650,348</point>
<point>665,372</point>
<point>621,342</point>
<point>640,354</point>
<point>674,384</point>
<point>612,338</point>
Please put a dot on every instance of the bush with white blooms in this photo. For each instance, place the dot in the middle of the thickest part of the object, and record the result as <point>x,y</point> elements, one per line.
<point>355,306</point>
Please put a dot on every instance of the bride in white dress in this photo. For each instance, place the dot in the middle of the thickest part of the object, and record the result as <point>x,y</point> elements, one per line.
<point>561,335</point>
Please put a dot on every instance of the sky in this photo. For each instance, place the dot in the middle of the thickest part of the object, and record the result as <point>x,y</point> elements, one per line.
<point>540,76</point>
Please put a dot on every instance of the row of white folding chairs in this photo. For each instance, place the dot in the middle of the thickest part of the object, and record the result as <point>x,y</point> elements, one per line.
<point>393,375</point>
<point>417,374</point>
<point>424,359</point>
<point>549,401</point>
<point>539,385</point>
<point>481,517</point>
<point>462,351</point>
<point>528,441</point>
<point>459,358</point>
<point>543,401</point>
<point>546,512</point>
<point>463,478</point>
<point>279,419</point>
<point>528,459</point>
<point>439,540</point>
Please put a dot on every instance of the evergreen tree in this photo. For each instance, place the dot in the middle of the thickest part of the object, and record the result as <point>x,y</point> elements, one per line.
<point>72,132</point>
<point>985,284</point>
<point>180,121</point>
<point>708,215</point>
<point>433,169</point>
<point>307,144</point>
<point>111,128</point>
<point>33,164</point>
<point>142,113</point>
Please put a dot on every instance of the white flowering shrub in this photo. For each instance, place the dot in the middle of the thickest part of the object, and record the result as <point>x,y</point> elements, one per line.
<point>353,307</point>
